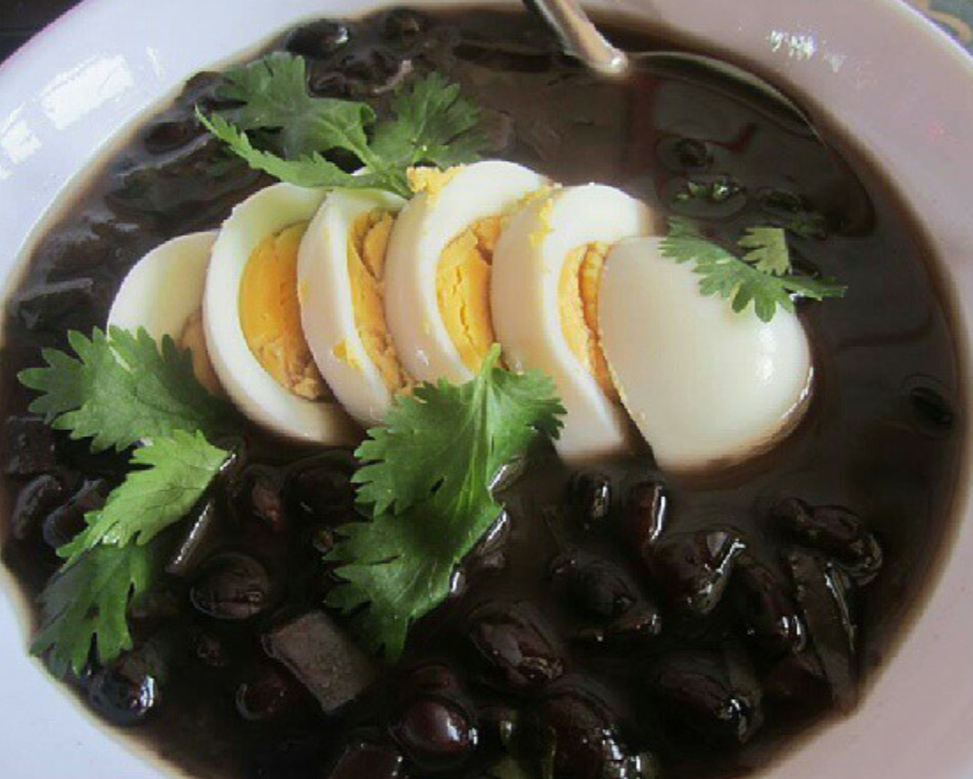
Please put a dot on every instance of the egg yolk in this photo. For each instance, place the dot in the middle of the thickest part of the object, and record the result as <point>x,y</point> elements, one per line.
<point>271,318</point>
<point>367,243</point>
<point>194,339</point>
<point>463,289</point>
<point>578,304</point>
<point>431,180</point>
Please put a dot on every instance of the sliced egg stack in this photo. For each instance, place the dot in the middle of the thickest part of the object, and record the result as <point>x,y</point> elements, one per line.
<point>311,310</point>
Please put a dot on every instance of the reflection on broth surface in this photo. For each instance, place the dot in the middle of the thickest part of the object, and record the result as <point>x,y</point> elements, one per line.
<point>618,621</point>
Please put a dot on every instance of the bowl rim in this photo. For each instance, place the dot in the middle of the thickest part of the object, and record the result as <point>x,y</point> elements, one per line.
<point>782,46</point>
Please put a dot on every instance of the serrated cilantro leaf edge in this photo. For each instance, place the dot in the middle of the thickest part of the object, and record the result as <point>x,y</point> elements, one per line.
<point>741,281</point>
<point>121,387</point>
<point>397,566</point>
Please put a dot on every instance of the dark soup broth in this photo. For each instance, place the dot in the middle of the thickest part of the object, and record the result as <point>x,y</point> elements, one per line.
<point>618,621</point>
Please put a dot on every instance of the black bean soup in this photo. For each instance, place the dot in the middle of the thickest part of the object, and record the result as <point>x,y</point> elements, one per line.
<point>617,622</point>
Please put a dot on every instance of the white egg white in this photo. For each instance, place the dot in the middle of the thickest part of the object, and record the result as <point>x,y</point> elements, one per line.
<point>527,268</point>
<point>250,387</point>
<point>424,229</point>
<point>147,296</point>
<point>704,384</point>
<point>327,312</point>
<point>146,299</point>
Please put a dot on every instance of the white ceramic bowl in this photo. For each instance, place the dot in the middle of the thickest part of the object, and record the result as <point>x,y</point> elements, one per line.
<point>873,69</point>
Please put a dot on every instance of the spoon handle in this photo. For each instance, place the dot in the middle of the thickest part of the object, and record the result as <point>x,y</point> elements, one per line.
<point>580,36</point>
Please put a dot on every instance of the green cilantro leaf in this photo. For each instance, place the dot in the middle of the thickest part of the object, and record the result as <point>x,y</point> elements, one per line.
<point>87,601</point>
<point>176,473</point>
<point>429,490</point>
<point>763,276</point>
<point>768,250</point>
<point>272,93</point>
<point>432,124</point>
<point>122,388</point>
<point>491,418</point>
<point>310,171</point>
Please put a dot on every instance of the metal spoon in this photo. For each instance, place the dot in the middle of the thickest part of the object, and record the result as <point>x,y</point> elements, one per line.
<point>579,36</point>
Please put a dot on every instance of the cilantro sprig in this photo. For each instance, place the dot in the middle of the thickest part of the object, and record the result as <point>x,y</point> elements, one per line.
<point>431,123</point>
<point>763,275</point>
<point>427,493</point>
<point>173,475</point>
<point>86,604</point>
<point>119,389</point>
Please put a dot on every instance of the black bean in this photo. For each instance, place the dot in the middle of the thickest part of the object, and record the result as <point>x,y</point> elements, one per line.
<point>368,760</point>
<point>579,738</point>
<point>126,692</point>
<point>590,497</point>
<point>435,733</point>
<point>490,552</point>
<point>428,679</point>
<point>258,492</point>
<point>66,521</point>
<point>825,595</point>
<point>765,602</point>
<point>265,696</point>
<point>320,488</point>
<point>232,587</point>
<point>167,136</point>
<point>28,446</point>
<point>639,625</point>
<point>404,26</point>
<point>646,513</point>
<point>594,586</point>
<point>697,694</point>
<point>325,81</point>
<point>694,568</point>
<point>322,539</point>
<point>59,306</point>
<point>372,67</point>
<point>834,530</point>
<point>210,650</point>
<point>34,501</point>
<point>319,39</point>
<point>799,682</point>
<point>500,726</point>
<point>181,188</point>
<point>517,646</point>
<point>931,408</point>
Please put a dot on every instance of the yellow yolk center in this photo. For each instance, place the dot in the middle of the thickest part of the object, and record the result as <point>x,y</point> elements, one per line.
<point>463,289</point>
<point>271,318</point>
<point>367,243</point>
<point>578,303</point>
<point>193,338</point>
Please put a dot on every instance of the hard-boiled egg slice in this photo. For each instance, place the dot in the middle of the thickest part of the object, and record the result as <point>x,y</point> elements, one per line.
<point>251,318</point>
<point>147,299</point>
<point>437,290</point>
<point>705,385</point>
<point>341,285</point>
<point>544,295</point>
